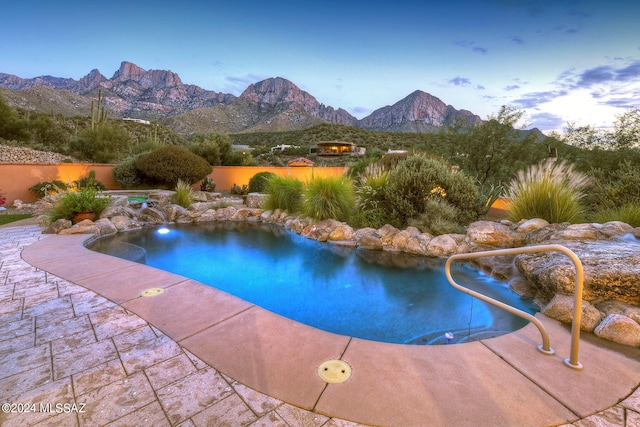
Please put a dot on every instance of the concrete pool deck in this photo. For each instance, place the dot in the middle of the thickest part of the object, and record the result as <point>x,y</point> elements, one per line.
<point>74,328</point>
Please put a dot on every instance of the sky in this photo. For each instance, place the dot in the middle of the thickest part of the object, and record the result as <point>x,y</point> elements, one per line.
<point>559,62</point>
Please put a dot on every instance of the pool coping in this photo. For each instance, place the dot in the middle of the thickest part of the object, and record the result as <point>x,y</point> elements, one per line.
<point>499,381</point>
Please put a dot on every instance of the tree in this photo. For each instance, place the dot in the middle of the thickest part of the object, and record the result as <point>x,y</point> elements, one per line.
<point>213,147</point>
<point>492,151</point>
<point>11,127</point>
<point>626,130</point>
<point>104,144</point>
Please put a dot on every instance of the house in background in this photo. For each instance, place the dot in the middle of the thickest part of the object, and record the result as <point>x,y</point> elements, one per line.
<point>336,148</point>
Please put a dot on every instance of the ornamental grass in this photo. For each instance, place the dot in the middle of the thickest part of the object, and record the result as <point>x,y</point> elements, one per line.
<point>551,191</point>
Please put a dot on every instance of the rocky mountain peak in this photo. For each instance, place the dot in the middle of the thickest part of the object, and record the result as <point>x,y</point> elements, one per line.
<point>156,79</point>
<point>276,91</point>
<point>419,111</point>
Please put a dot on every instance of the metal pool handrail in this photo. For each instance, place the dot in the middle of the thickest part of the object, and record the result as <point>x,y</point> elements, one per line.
<point>545,348</point>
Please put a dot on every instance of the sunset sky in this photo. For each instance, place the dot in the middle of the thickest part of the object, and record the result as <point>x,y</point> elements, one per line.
<point>562,61</point>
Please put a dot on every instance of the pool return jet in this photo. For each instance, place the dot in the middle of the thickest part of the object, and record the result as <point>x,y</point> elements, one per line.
<point>545,347</point>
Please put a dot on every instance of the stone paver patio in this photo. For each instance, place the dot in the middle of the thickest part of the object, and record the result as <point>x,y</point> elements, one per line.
<point>61,343</point>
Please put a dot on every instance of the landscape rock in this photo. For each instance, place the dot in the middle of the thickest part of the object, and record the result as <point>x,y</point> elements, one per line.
<point>620,329</point>
<point>619,307</point>
<point>442,246</point>
<point>124,223</point>
<point>256,200</point>
<point>341,233</point>
<point>493,234</point>
<point>105,227</point>
<point>530,225</point>
<point>153,216</point>
<point>418,244</point>
<point>611,270</point>
<point>615,228</point>
<point>561,308</point>
<point>57,226</point>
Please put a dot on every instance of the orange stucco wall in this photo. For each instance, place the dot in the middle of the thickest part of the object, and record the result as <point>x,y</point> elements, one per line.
<point>17,178</point>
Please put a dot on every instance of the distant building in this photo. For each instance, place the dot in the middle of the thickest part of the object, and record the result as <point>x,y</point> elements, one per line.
<point>282,147</point>
<point>241,147</point>
<point>144,122</point>
<point>336,148</point>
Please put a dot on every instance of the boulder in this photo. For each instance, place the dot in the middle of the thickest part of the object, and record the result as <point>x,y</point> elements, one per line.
<point>418,244</point>
<point>615,228</point>
<point>57,226</point>
<point>153,216</point>
<point>199,196</point>
<point>619,328</point>
<point>611,270</point>
<point>493,234</point>
<point>105,227</point>
<point>368,239</point>
<point>124,223</point>
<point>561,308</point>
<point>444,245</point>
<point>174,212</point>
<point>522,287</point>
<point>256,200</point>
<point>342,232</point>
<point>207,216</point>
<point>619,307</point>
<point>530,225</point>
<point>162,197</point>
<point>577,232</point>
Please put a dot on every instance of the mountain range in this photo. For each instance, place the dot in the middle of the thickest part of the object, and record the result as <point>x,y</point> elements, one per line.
<point>274,104</point>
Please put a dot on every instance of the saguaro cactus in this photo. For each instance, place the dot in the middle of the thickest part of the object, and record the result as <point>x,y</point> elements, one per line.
<point>99,114</point>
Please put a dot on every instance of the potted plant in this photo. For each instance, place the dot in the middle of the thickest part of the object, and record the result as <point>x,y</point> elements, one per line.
<point>87,203</point>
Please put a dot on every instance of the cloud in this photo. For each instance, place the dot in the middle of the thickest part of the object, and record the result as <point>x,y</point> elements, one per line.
<point>546,121</point>
<point>480,87</point>
<point>517,40</point>
<point>472,45</point>
<point>605,74</point>
<point>460,81</point>
<point>512,87</point>
<point>360,111</point>
<point>533,99</point>
<point>237,84</point>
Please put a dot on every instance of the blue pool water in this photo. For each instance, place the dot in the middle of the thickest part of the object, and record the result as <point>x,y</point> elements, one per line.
<point>375,295</point>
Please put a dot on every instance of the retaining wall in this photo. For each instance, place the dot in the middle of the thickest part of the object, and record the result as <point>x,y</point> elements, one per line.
<point>17,178</point>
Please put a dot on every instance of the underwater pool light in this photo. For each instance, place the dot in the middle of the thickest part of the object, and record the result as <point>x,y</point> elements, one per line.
<point>163,230</point>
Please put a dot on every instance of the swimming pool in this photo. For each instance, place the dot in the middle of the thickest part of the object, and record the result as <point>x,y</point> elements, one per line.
<point>381,296</point>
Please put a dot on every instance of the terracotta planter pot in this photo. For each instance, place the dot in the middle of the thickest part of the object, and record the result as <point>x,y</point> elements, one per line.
<point>81,216</point>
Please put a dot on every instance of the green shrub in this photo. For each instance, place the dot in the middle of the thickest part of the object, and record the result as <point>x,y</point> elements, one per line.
<point>259,182</point>
<point>615,188</point>
<point>418,179</point>
<point>127,174</point>
<point>89,181</point>
<point>171,163</point>
<point>101,145</point>
<point>439,217</point>
<point>45,188</point>
<point>329,198</point>
<point>285,192</point>
<point>628,213</point>
<point>184,194</point>
<point>551,191</point>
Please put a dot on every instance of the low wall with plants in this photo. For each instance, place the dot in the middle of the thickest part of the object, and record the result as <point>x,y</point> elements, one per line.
<point>17,178</point>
